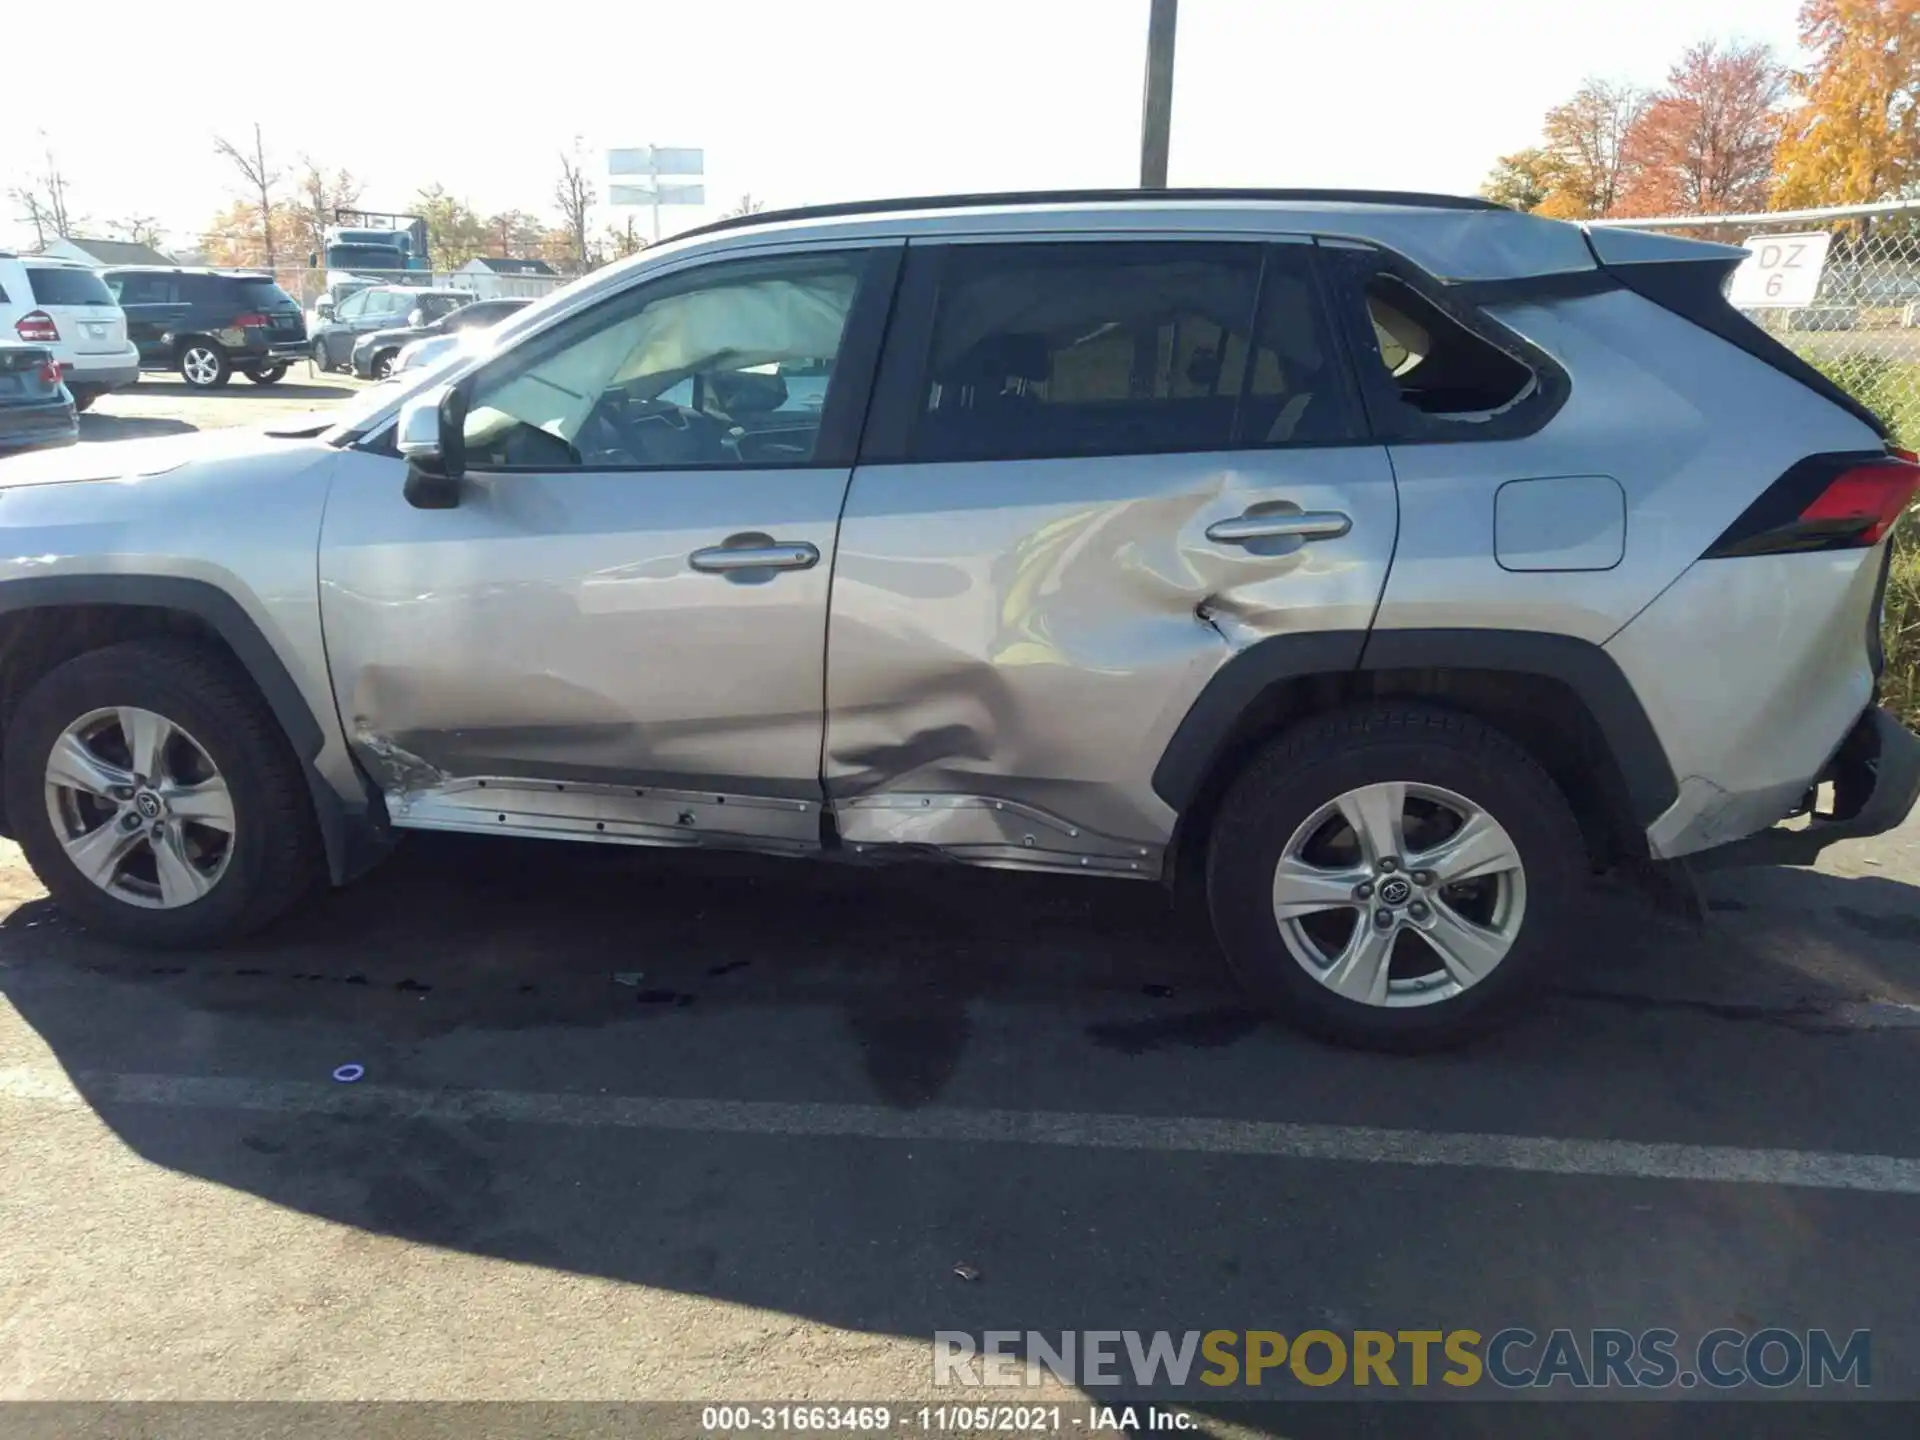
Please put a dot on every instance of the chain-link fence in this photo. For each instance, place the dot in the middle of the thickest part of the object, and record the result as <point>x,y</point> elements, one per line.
<point>309,285</point>
<point>1861,322</point>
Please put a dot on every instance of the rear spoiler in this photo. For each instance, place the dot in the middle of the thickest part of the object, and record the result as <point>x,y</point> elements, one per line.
<point>1689,277</point>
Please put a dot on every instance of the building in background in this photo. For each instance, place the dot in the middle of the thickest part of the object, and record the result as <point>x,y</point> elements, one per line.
<point>106,252</point>
<point>493,277</point>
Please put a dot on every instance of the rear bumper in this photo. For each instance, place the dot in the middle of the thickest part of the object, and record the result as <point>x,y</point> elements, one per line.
<point>281,352</point>
<point>1876,781</point>
<point>102,372</point>
<point>27,427</point>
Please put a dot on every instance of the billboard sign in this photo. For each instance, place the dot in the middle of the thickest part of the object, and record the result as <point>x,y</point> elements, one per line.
<point>656,160</point>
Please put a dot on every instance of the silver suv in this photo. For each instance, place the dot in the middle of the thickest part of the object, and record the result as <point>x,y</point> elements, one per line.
<point>1386,563</point>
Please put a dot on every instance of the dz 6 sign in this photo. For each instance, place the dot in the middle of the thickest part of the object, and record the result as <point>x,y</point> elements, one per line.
<point>1779,270</point>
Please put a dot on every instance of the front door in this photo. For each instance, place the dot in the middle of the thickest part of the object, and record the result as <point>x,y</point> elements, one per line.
<point>1097,470</point>
<point>619,632</point>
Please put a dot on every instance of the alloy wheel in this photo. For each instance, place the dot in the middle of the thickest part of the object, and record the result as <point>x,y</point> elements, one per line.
<point>139,807</point>
<point>200,365</point>
<point>1399,894</point>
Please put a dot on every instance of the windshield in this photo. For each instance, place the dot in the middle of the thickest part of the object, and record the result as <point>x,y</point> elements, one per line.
<point>365,257</point>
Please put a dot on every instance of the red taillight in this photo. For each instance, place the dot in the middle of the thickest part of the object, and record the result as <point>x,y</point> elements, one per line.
<point>1861,504</point>
<point>50,371</point>
<point>251,322</point>
<point>36,325</point>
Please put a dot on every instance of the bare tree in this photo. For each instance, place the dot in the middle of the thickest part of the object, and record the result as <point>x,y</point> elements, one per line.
<point>44,199</point>
<point>573,193</point>
<point>320,195</point>
<point>255,171</point>
<point>140,229</point>
<point>745,205</point>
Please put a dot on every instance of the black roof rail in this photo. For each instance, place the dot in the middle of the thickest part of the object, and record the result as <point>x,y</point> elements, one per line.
<point>1090,197</point>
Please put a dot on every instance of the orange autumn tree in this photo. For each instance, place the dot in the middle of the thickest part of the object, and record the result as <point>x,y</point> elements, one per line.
<point>1705,143</point>
<point>1856,135</point>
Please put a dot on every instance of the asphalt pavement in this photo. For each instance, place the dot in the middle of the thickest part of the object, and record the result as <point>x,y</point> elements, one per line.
<point>669,1125</point>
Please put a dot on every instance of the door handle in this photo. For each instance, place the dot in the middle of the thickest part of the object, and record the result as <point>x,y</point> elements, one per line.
<point>1290,525</point>
<point>775,555</point>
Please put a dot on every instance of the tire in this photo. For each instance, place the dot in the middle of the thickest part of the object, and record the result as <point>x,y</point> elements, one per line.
<point>1504,925</point>
<point>204,364</point>
<point>267,375</point>
<point>320,356</point>
<point>381,366</point>
<point>83,398</point>
<point>240,878</point>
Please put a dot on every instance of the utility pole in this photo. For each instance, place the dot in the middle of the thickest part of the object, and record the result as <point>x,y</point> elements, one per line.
<point>1156,106</point>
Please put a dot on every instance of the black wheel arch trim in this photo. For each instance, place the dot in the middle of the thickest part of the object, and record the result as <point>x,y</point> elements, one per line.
<point>355,836</point>
<point>1583,667</point>
<point>1209,724</point>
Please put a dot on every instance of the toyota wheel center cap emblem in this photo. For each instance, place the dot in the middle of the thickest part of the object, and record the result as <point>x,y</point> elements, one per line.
<point>1396,892</point>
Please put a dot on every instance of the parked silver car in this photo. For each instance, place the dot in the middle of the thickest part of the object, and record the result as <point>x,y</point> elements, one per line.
<point>1385,564</point>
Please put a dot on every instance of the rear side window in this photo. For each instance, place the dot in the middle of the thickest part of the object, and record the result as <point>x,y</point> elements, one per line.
<point>1111,348</point>
<point>67,285</point>
<point>1435,364</point>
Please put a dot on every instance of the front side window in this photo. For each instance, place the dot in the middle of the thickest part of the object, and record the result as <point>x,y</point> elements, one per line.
<point>1107,348</point>
<point>350,308</point>
<point>717,366</point>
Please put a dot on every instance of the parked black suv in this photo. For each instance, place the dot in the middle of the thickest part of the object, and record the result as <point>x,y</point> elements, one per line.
<point>206,324</point>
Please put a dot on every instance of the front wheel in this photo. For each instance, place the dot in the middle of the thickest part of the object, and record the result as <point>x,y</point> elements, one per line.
<point>382,366</point>
<point>156,797</point>
<point>204,365</point>
<point>267,375</point>
<point>1395,877</point>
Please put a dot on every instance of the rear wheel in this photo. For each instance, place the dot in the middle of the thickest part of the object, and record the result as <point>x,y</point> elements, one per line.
<point>267,375</point>
<point>320,356</point>
<point>382,366</point>
<point>204,365</point>
<point>1393,878</point>
<point>83,396</point>
<point>156,798</point>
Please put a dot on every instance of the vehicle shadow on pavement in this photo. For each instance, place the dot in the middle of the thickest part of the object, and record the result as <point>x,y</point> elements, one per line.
<point>241,388</point>
<point>97,427</point>
<point>542,969</point>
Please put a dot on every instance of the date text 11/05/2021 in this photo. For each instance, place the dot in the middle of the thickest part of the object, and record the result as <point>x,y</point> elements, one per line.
<point>1771,1358</point>
<point>942,1419</point>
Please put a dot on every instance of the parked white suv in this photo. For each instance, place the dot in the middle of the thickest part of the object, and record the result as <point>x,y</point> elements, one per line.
<point>68,308</point>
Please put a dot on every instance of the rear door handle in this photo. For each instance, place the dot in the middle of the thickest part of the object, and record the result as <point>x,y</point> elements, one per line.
<point>775,555</point>
<point>1295,525</point>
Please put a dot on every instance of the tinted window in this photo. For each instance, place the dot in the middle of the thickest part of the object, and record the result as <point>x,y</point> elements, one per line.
<point>66,285</point>
<point>350,308</point>
<point>135,287</point>
<point>715,366</point>
<point>263,294</point>
<point>1096,348</point>
<point>434,307</point>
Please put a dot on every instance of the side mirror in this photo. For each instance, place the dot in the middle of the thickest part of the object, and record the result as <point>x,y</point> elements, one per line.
<point>313,259</point>
<point>323,307</point>
<point>416,318</point>
<point>430,436</point>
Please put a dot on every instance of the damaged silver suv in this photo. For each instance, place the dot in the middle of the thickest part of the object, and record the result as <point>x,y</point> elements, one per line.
<point>1386,563</point>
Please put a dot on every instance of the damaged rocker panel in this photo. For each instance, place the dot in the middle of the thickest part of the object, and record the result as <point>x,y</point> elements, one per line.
<point>614,814</point>
<point>980,830</point>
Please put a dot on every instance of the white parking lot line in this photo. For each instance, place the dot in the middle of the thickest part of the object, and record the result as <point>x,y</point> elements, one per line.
<point>1814,1169</point>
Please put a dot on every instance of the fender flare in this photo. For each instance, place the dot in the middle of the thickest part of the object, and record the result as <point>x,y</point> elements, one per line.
<point>353,834</point>
<point>1581,666</point>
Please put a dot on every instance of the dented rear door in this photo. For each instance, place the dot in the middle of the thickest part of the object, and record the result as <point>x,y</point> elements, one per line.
<point>1083,490</point>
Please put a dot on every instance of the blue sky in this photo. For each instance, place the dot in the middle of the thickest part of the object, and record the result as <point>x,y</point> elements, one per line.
<point>812,100</point>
